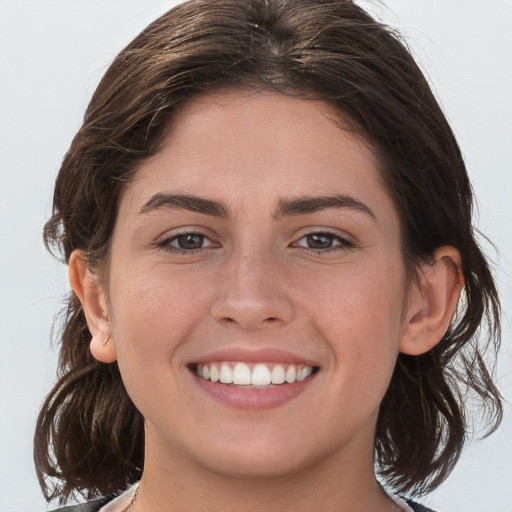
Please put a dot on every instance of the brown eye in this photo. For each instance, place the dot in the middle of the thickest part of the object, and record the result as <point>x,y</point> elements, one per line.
<point>324,242</point>
<point>320,241</point>
<point>189,242</point>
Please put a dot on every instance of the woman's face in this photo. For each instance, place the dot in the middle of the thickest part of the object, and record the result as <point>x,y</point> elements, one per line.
<point>258,245</point>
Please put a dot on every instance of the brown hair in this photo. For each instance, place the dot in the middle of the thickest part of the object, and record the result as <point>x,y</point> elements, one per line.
<point>89,434</point>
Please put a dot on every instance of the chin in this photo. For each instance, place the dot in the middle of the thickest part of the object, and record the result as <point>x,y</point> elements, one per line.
<point>263,455</point>
<point>255,466</point>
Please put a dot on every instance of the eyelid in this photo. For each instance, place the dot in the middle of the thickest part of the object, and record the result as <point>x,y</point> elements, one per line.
<point>345,241</point>
<point>165,242</point>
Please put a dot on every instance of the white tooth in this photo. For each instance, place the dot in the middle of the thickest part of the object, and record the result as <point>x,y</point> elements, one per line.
<point>206,372</point>
<point>261,375</point>
<point>199,370</point>
<point>278,375</point>
<point>214,373</point>
<point>301,373</point>
<point>241,374</point>
<point>291,374</point>
<point>226,374</point>
<point>308,371</point>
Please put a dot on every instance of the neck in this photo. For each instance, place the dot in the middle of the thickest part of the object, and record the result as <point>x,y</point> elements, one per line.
<point>343,483</point>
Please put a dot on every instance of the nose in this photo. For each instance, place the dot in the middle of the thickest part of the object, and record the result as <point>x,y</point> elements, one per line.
<point>252,293</point>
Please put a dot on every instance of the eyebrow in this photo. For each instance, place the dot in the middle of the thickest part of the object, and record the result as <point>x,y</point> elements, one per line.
<point>285,207</point>
<point>305,205</point>
<point>186,202</point>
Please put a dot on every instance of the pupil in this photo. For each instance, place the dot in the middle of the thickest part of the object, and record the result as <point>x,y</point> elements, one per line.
<point>319,241</point>
<point>190,241</point>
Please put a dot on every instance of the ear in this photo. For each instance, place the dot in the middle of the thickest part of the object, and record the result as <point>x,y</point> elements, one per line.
<point>91,294</point>
<point>432,301</point>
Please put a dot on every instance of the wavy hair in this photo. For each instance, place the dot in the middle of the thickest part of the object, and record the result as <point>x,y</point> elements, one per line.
<point>90,437</point>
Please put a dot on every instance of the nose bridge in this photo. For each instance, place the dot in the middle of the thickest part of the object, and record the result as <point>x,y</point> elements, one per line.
<point>252,291</point>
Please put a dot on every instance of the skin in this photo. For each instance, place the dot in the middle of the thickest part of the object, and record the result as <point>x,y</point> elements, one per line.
<point>254,281</point>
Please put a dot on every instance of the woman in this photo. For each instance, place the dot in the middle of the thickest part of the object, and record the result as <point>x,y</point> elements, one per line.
<point>267,222</point>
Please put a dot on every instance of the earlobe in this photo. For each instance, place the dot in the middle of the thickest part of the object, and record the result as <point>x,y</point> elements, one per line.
<point>91,294</point>
<point>432,301</point>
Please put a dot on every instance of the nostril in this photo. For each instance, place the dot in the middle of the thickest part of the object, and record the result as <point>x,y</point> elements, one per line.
<point>270,319</point>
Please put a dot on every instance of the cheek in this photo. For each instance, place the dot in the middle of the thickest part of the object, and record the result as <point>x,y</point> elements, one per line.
<point>357,300</point>
<point>360,315</point>
<point>152,312</point>
<point>152,315</point>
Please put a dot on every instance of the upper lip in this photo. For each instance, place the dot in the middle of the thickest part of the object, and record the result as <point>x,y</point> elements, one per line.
<point>260,355</point>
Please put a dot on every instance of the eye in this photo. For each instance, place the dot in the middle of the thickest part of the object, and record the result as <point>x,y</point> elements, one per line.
<point>186,243</point>
<point>324,242</point>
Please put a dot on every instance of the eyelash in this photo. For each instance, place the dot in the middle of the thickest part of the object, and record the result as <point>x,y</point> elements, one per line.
<point>167,246</point>
<point>341,243</point>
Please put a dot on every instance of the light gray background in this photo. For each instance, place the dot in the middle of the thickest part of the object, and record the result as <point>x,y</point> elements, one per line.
<point>52,54</point>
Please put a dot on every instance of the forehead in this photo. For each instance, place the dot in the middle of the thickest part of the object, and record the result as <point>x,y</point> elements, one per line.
<point>240,145</point>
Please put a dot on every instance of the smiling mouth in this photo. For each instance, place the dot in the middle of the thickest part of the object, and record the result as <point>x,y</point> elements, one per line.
<point>248,375</point>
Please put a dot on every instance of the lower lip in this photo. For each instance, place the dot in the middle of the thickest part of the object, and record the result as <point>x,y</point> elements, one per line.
<point>253,399</point>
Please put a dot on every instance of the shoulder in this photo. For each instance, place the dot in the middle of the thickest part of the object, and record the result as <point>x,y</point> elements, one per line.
<point>417,507</point>
<point>89,506</point>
